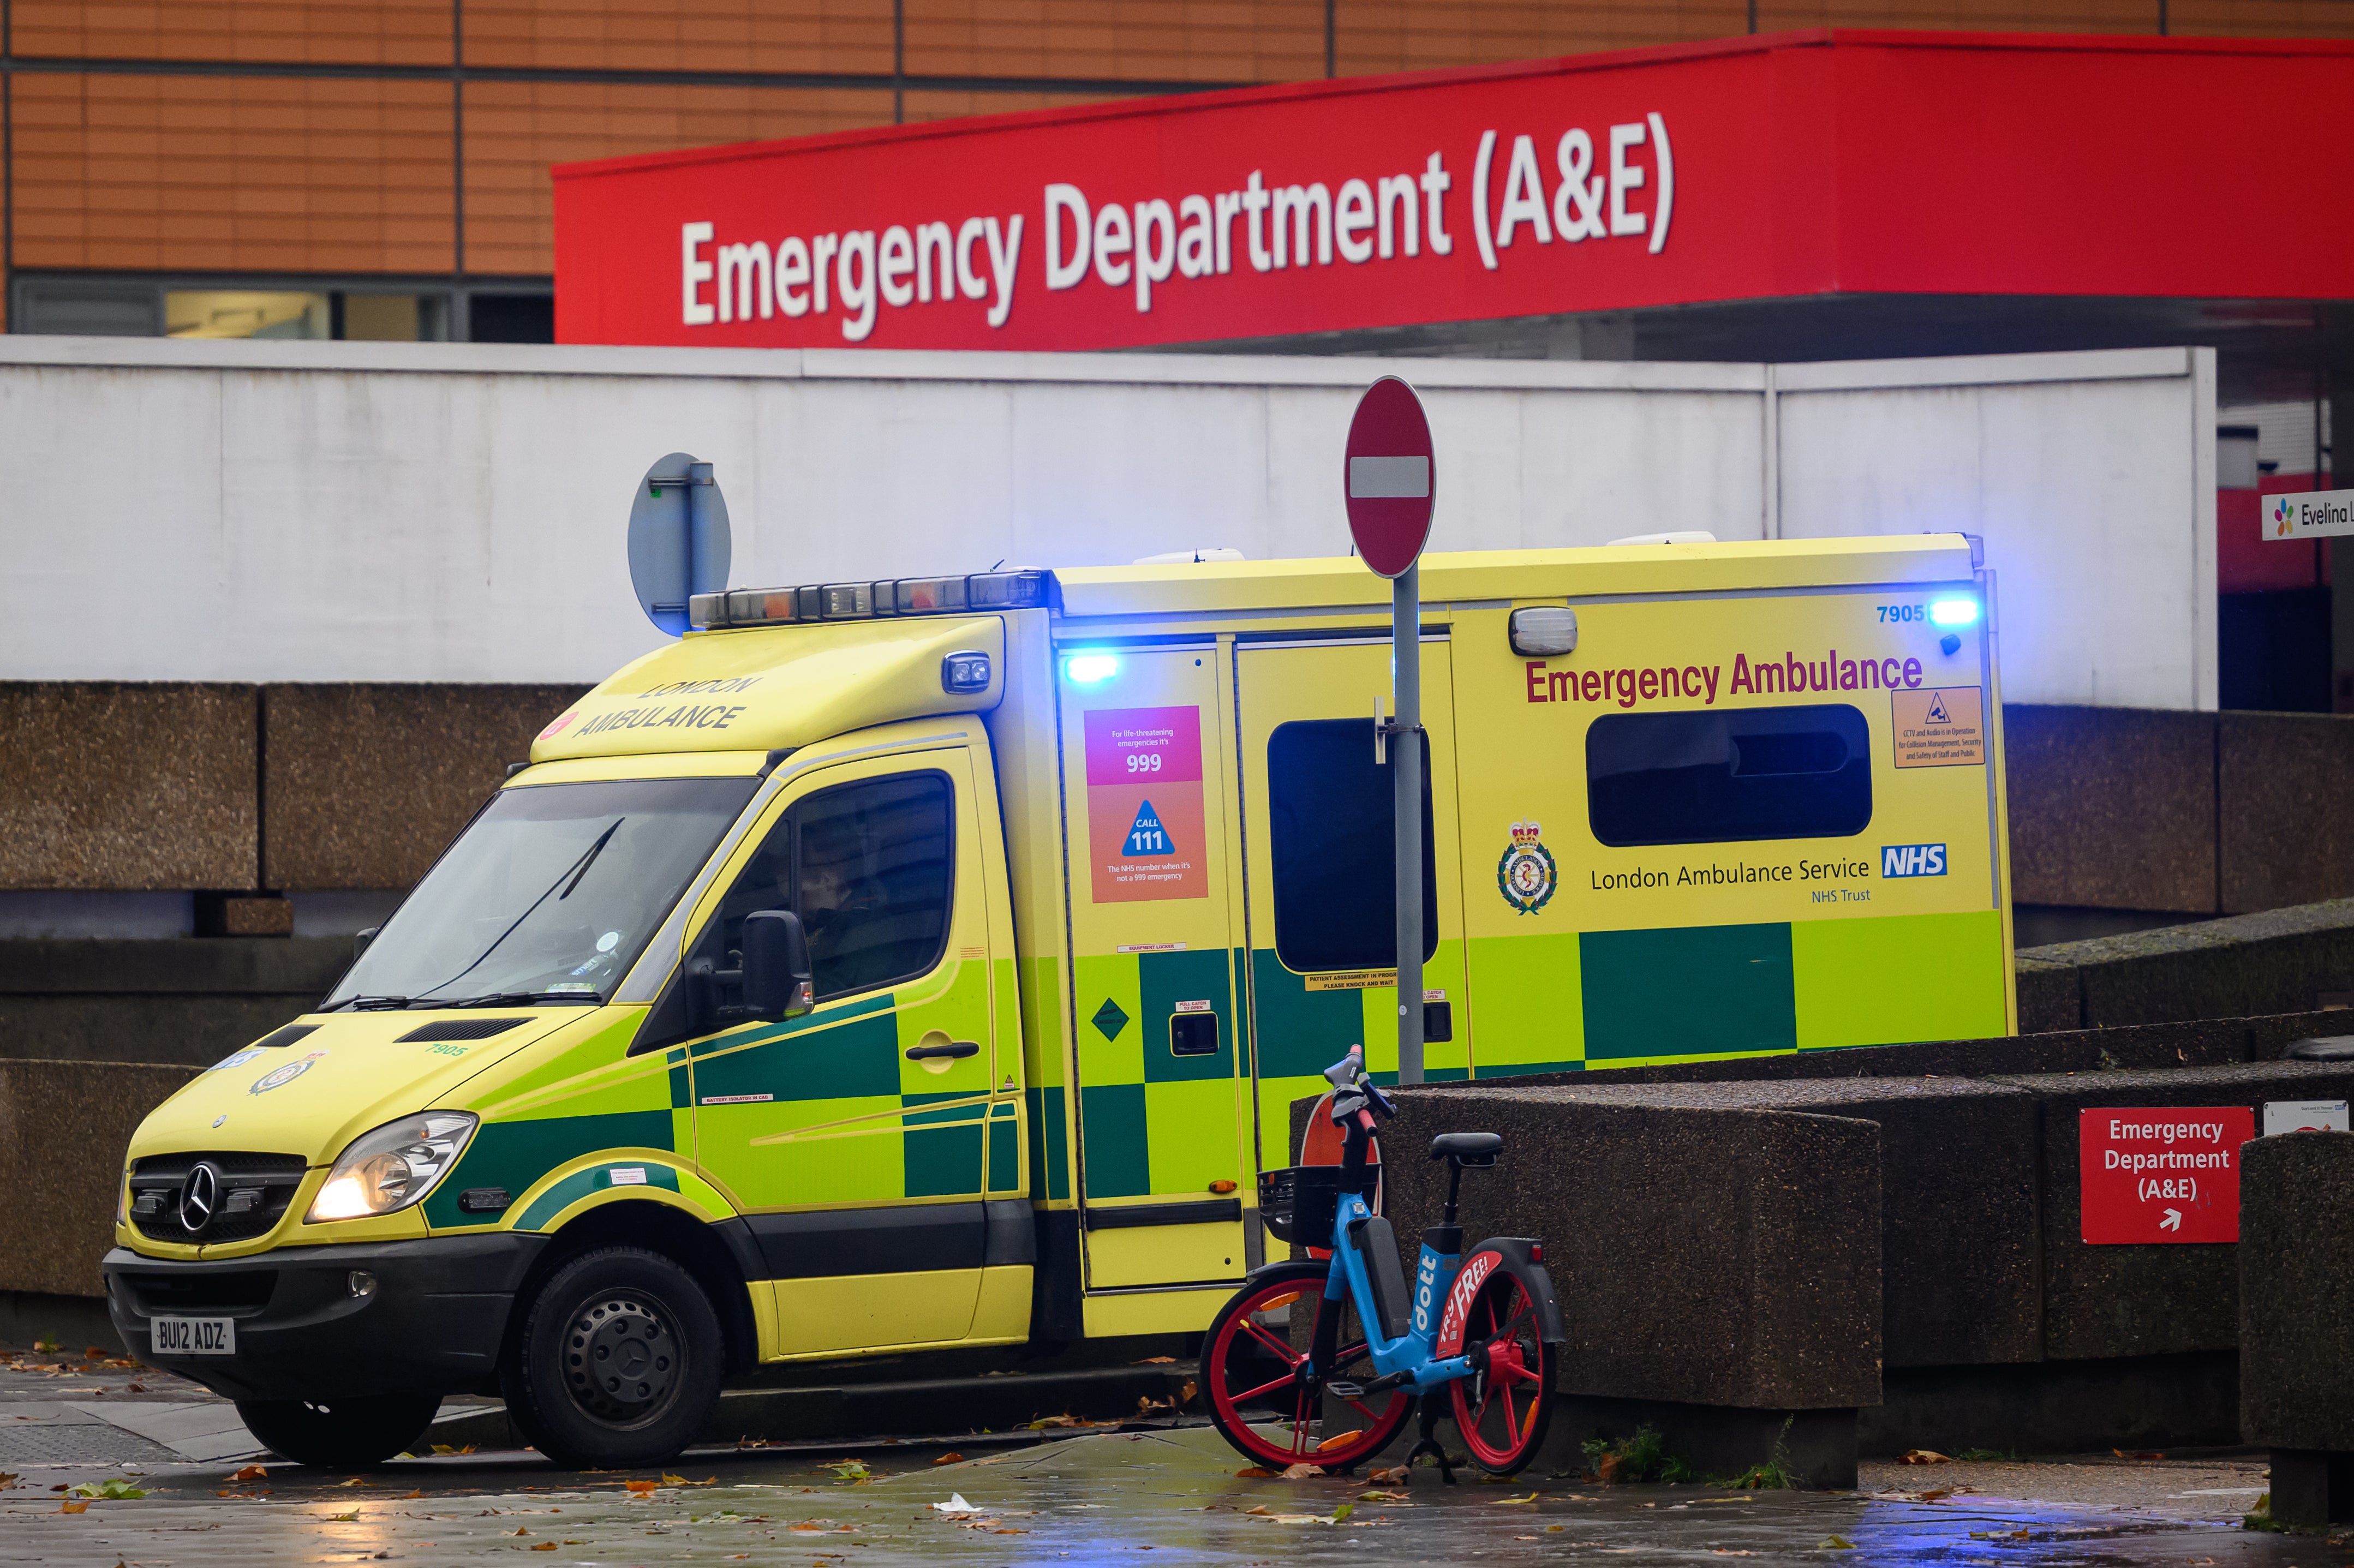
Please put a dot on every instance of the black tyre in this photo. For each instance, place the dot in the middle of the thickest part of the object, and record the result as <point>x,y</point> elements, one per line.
<point>340,1434</point>
<point>618,1364</point>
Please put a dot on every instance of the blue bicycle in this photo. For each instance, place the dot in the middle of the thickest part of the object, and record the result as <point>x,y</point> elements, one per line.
<point>1323,1363</point>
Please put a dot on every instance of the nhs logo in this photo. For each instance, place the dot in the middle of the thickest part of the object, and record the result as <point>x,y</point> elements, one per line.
<point>1913,860</point>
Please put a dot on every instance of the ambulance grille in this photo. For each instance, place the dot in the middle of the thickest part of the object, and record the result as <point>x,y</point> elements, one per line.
<point>250,1195</point>
<point>460,1029</point>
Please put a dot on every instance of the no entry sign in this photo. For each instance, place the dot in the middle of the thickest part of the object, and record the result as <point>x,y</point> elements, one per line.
<point>2159,1174</point>
<point>1390,480</point>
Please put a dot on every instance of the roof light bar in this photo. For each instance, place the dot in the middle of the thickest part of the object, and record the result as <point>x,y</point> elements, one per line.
<point>863,601</point>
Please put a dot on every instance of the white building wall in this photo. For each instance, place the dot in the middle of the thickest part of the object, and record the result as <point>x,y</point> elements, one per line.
<point>318,512</point>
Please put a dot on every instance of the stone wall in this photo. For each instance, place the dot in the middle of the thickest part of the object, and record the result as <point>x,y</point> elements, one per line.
<point>63,1130</point>
<point>120,787</point>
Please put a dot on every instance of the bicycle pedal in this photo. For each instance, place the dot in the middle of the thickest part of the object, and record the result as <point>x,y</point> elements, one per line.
<point>1341,1390</point>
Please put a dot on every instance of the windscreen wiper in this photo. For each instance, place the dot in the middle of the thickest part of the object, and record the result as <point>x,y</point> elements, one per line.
<point>525,999</point>
<point>369,1003</point>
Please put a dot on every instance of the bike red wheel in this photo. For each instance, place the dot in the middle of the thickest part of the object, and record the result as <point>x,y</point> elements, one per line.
<point>1264,1397</point>
<point>1502,1413</point>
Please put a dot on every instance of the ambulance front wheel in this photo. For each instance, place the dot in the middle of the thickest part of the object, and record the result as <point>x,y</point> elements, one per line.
<point>618,1364</point>
<point>339,1433</point>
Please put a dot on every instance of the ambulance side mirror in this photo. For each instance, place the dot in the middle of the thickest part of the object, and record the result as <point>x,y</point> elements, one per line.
<point>777,980</point>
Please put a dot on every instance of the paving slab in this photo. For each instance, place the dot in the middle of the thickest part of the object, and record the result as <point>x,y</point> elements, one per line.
<point>1113,1497</point>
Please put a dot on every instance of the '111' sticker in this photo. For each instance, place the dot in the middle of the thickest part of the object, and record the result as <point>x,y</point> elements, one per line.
<point>1144,804</point>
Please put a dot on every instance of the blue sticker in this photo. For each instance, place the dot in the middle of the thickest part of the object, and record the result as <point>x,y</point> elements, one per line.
<point>234,1059</point>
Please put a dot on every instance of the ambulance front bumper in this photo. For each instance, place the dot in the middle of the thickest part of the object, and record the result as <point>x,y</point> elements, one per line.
<point>317,1323</point>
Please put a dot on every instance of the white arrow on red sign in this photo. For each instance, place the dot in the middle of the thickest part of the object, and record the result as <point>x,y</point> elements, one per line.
<point>1393,483</point>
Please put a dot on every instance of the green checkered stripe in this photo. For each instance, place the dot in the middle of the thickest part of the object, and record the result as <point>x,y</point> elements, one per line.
<point>837,1078</point>
<point>1143,1108</point>
<point>1044,1094</point>
<point>1302,1031</point>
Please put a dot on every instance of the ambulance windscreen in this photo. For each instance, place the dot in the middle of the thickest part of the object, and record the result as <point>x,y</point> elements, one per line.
<point>1729,776</point>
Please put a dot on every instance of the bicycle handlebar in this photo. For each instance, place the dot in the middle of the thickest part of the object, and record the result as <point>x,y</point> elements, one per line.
<point>1353,1089</point>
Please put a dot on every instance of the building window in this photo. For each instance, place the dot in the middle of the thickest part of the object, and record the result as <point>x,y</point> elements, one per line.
<point>1732,776</point>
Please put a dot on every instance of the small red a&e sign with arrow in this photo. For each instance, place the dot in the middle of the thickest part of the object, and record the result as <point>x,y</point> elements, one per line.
<point>2162,1173</point>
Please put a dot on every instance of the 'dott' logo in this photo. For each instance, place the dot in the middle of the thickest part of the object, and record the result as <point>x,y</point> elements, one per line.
<point>1913,860</point>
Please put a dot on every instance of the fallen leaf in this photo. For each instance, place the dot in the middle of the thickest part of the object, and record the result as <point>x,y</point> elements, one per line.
<point>848,1469</point>
<point>521,1531</point>
<point>1933,1496</point>
<point>669,1480</point>
<point>1155,1362</point>
<point>351,1518</point>
<point>250,1473</point>
<point>8,1478</point>
<point>355,1481</point>
<point>407,1496</point>
<point>1394,1475</point>
<point>1303,1472</point>
<point>545,1546</point>
<point>1261,1509</point>
<point>641,1489</point>
<point>1253,1473</point>
<point>73,1507</point>
<point>1185,1394</point>
<point>1924,1456</point>
<point>1381,1497</point>
<point>2137,1454</point>
<point>1528,1501</point>
<point>1340,1515</point>
<point>950,1459</point>
<point>1834,1544</point>
<point>445,1448</point>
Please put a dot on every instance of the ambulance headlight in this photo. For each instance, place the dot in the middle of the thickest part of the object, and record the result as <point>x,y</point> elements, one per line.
<point>392,1167</point>
<point>1954,611</point>
<point>1090,669</point>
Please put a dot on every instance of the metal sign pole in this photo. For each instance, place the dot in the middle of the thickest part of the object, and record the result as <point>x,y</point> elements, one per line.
<point>1406,779</point>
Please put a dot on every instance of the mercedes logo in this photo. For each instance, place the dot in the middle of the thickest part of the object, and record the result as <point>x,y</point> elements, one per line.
<point>200,1197</point>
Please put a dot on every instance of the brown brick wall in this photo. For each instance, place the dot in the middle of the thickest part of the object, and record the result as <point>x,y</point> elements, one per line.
<point>220,173</point>
<point>689,34</point>
<point>340,32</point>
<point>516,129</point>
<point>1146,40</point>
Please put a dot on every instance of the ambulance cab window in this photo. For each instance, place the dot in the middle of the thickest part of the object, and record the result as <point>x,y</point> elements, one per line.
<point>867,868</point>
<point>1330,835</point>
<point>1729,776</point>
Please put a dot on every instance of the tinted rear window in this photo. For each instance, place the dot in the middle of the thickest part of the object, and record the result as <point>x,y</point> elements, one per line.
<point>1729,776</point>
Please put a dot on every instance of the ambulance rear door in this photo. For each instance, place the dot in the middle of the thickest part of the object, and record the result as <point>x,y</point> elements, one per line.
<point>1318,838</point>
<point>1149,836</point>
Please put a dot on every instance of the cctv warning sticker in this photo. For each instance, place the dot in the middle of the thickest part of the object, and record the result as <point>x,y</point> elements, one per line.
<point>1940,727</point>
<point>2161,1174</point>
<point>1145,828</point>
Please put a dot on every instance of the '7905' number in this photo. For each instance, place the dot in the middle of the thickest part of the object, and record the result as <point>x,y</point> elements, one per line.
<point>1904,612</point>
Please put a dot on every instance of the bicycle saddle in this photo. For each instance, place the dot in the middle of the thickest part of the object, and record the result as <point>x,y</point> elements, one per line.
<point>1473,1148</point>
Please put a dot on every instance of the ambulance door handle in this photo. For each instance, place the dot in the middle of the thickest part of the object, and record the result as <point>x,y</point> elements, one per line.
<point>960,1049</point>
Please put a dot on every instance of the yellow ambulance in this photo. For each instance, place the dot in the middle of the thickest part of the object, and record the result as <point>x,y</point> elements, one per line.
<point>893,965</point>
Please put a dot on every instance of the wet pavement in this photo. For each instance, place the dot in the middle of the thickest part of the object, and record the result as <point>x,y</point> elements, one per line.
<point>1113,1497</point>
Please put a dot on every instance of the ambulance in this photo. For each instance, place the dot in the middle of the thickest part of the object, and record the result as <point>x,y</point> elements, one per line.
<point>887,967</point>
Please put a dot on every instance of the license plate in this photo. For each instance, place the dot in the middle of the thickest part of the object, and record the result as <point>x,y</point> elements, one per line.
<point>194,1335</point>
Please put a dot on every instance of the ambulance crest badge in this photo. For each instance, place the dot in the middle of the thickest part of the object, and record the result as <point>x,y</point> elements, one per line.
<point>1525,876</point>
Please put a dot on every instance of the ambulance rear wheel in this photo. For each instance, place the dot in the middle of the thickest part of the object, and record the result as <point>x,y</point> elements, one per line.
<point>339,1433</point>
<point>618,1364</point>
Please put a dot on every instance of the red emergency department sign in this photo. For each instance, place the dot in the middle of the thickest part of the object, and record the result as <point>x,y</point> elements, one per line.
<point>1815,163</point>
<point>2168,1173</point>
